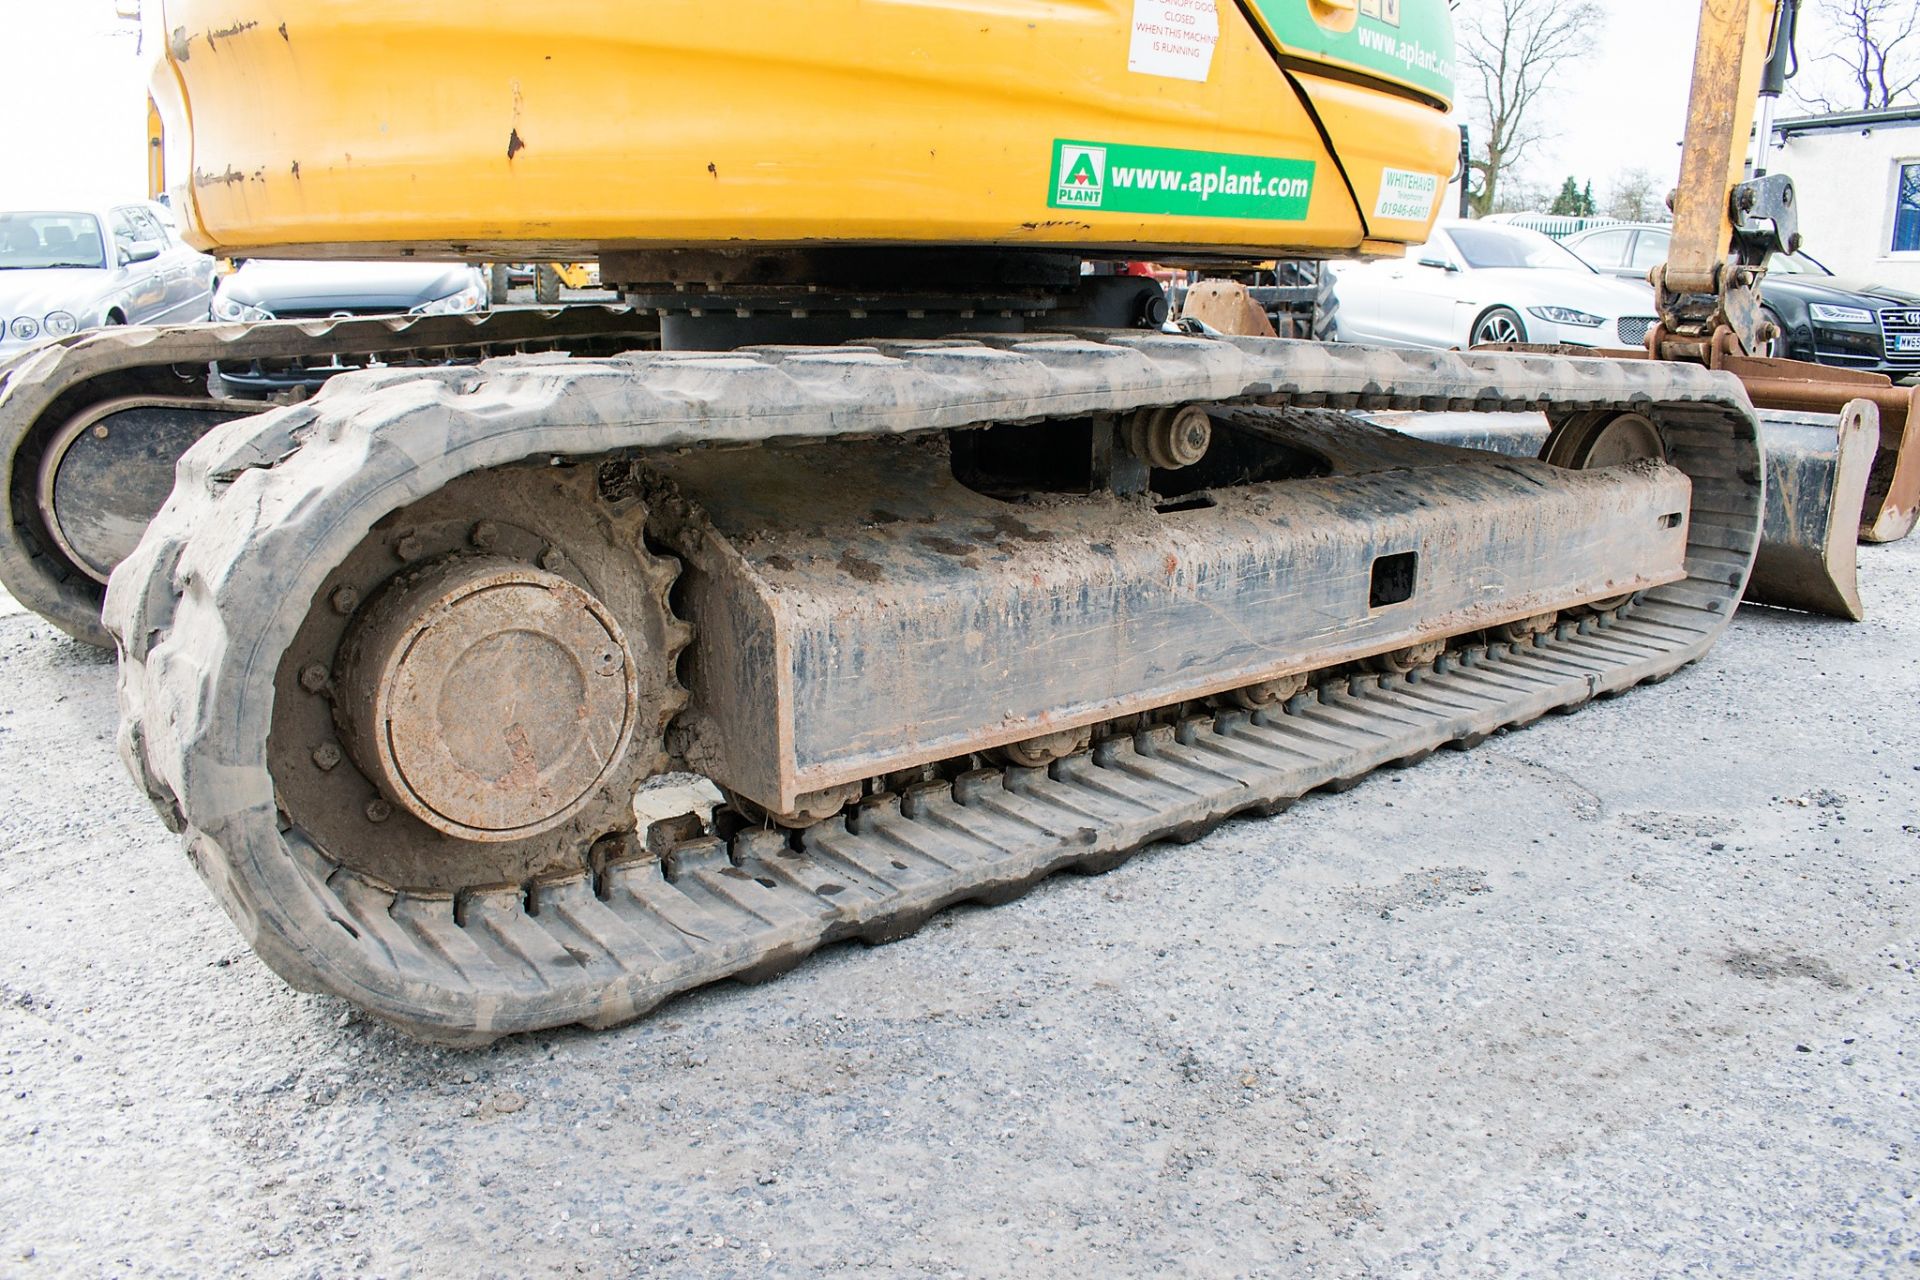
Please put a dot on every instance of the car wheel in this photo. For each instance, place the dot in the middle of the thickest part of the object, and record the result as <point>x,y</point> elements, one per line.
<point>1774,348</point>
<point>114,317</point>
<point>1502,325</point>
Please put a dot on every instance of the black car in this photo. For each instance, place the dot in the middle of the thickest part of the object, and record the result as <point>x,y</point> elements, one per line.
<point>1821,317</point>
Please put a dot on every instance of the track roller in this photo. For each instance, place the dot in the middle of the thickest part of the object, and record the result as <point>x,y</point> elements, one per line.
<point>1169,438</point>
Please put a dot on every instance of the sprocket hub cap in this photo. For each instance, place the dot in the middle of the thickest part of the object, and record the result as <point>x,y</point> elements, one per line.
<point>488,698</point>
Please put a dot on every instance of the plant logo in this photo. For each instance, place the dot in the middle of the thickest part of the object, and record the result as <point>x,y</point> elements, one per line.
<point>1083,176</point>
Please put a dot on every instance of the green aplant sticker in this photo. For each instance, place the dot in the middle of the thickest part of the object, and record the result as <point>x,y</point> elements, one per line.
<point>1110,177</point>
<point>1406,40</point>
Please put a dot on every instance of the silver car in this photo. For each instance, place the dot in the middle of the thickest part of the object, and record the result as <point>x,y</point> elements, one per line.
<point>63,270</point>
<point>296,289</point>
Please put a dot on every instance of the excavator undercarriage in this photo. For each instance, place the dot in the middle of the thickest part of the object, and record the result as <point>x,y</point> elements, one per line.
<point>397,659</point>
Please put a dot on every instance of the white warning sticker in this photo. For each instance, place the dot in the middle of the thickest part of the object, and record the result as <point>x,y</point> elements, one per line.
<point>1174,38</point>
<point>1406,195</point>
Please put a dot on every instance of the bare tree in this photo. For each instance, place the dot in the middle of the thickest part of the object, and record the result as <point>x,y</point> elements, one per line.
<point>1876,56</point>
<point>1509,50</point>
<point>1635,197</point>
<point>1519,194</point>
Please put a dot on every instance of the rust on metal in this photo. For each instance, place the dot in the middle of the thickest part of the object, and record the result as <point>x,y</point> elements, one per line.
<point>1892,499</point>
<point>467,938</point>
<point>497,711</point>
<point>1132,605</point>
<point>1048,747</point>
<point>1411,658</point>
<point>1890,505</point>
<point>1169,438</point>
<point>1226,305</point>
<point>487,698</point>
<point>1268,693</point>
<point>1816,478</point>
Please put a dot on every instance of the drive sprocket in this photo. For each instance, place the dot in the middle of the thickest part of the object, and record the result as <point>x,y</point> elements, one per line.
<point>480,685</point>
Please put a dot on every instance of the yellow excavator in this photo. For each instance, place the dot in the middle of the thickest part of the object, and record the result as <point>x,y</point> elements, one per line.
<point>887,503</point>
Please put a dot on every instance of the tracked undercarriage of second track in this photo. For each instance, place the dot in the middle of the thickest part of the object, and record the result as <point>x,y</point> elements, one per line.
<point>967,613</point>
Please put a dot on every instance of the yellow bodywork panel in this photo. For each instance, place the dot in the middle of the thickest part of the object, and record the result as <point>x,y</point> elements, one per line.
<point>556,131</point>
<point>156,153</point>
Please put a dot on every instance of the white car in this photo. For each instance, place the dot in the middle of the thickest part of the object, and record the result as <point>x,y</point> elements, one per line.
<point>1477,282</point>
<point>63,270</point>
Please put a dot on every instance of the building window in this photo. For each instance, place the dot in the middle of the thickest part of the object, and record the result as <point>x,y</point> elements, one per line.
<point>1906,211</point>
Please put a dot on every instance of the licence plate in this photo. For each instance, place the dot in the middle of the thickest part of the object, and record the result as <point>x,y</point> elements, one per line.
<point>1905,342</point>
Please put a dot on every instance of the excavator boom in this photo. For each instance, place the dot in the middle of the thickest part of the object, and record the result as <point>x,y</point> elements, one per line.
<point>1725,226</point>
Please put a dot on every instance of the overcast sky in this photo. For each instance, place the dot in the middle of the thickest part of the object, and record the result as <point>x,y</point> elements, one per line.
<point>72,90</point>
<point>1624,105</point>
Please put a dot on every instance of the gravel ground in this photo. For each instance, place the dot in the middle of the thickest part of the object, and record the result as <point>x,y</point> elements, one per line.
<point>1626,993</point>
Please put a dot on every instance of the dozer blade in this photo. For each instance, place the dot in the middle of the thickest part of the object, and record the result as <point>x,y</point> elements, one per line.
<point>1817,473</point>
<point>1226,305</point>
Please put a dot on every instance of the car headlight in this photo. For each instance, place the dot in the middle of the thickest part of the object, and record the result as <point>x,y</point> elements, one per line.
<point>23,329</point>
<point>1567,315</point>
<point>59,324</point>
<point>225,308</point>
<point>1840,315</point>
<point>471,298</point>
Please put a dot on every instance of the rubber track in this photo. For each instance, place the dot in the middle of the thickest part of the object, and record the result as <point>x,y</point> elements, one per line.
<point>265,507</point>
<point>46,378</point>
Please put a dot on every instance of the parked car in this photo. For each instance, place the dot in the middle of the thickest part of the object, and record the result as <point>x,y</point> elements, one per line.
<point>1821,317</point>
<point>64,270</point>
<point>275,289</point>
<point>1475,283</point>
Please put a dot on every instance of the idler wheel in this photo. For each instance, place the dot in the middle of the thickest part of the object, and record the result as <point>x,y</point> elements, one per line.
<point>1587,441</point>
<point>488,698</point>
<point>1170,438</point>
